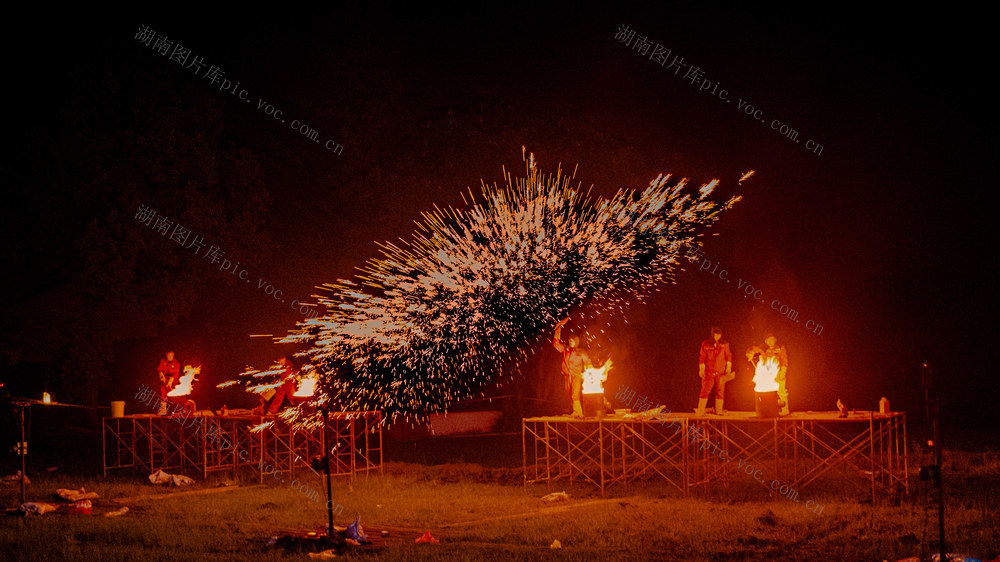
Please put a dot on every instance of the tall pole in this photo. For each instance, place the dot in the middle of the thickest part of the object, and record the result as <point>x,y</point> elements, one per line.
<point>329,485</point>
<point>23,449</point>
<point>939,463</point>
<point>934,413</point>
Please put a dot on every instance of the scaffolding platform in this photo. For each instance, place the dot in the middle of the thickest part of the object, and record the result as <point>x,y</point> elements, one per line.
<point>207,444</point>
<point>692,453</point>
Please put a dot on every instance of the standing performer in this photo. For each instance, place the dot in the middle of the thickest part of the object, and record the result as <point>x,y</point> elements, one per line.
<point>715,368</point>
<point>574,362</point>
<point>285,390</point>
<point>778,351</point>
<point>169,372</point>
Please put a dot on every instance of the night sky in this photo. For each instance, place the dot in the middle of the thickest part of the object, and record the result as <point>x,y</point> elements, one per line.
<point>881,236</point>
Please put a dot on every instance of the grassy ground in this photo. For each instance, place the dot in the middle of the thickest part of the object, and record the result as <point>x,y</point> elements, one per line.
<point>486,514</point>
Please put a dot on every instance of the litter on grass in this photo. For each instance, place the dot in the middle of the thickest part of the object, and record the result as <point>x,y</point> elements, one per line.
<point>160,477</point>
<point>38,508</point>
<point>426,538</point>
<point>120,511</point>
<point>555,497</point>
<point>76,495</point>
<point>14,478</point>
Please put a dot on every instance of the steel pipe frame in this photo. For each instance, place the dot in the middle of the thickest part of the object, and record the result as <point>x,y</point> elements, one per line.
<point>801,449</point>
<point>211,444</point>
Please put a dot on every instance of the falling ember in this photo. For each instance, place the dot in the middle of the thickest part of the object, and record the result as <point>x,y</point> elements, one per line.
<point>186,384</point>
<point>765,375</point>
<point>46,398</point>
<point>436,317</point>
<point>594,377</point>
<point>307,386</point>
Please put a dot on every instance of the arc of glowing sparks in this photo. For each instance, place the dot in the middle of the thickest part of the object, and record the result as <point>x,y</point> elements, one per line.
<point>434,318</point>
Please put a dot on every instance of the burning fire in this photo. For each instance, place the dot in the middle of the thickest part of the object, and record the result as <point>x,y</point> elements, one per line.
<point>46,398</point>
<point>765,375</point>
<point>307,386</point>
<point>186,384</point>
<point>593,378</point>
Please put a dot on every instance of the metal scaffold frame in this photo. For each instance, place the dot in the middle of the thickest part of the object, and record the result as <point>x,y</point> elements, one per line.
<point>866,450</point>
<point>207,444</point>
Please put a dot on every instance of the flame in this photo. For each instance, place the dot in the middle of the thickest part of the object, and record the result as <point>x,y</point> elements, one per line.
<point>307,386</point>
<point>745,176</point>
<point>186,384</point>
<point>46,398</point>
<point>765,375</point>
<point>593,378</point>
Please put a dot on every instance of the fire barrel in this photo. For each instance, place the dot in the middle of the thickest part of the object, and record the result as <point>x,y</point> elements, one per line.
<point>766,404</point>
<point>593,405</point>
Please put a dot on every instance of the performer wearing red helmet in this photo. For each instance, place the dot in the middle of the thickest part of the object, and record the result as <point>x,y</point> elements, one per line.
<point>715,367</point>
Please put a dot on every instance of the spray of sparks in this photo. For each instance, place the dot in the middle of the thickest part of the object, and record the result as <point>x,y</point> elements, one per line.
<point>435,318</point>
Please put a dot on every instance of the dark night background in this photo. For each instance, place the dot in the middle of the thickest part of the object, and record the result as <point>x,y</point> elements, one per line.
<point>883,239</point>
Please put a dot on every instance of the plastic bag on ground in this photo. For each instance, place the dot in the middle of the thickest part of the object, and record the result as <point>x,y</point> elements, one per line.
<point>426,538</point>
<point>181,480</point>
<point>555,497</point>
<point>160,477</point>
<point>120,511</point>
<point>38,508</point>
<point>82,507</point>
<point>354,531</point>
<point>76,495</point>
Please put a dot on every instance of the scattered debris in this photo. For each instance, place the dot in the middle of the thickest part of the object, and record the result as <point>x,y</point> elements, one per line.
<point>76,495</point>
<point>38,508</point>
<point>160,477</point>
<point>352,542</point>
<point>385,533</point>
<point>651,414</point>
<point>555,497</point>
<point>355,532</point>
<point>426,538</point>
<point>82,507</point>
<point>120,511</point>
<point>555,544</point>
<point>16,477</point>
<point>52,469</point>
<point>323,555</point>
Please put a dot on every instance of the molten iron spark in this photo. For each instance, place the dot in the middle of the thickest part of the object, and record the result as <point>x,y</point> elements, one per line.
<point>434,318</point>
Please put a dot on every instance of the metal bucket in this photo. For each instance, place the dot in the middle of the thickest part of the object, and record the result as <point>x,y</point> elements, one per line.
<point>118,409</point>
<point>593,405</point>
<point>766,404</point>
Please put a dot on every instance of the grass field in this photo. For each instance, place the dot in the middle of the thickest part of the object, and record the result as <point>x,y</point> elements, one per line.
<point>481,513</point>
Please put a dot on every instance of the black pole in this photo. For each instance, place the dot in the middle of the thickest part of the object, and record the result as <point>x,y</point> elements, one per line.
<point>23,449</point>
<point>329,486</point>
<point>939,461</point>
<point>934,413</point>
